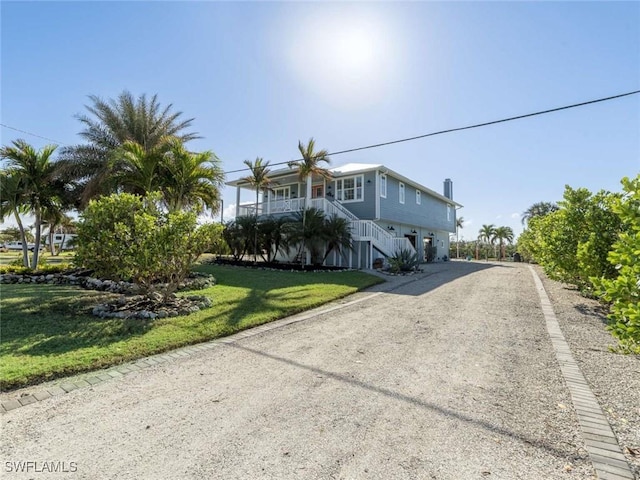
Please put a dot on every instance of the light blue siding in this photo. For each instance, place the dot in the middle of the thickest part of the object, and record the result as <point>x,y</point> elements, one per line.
<point>430,214</point>
<point>365,210</point>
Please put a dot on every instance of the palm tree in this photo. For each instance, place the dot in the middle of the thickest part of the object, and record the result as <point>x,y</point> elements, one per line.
<point>487,234</point>
<point>259,179</point>
<point>310,164</point>
<point>191,180</point>
<point>13,201</point>
<point>308,167</point>
<point>273,238</point>
<point>459,225</point>
<point>501,234</point>
<point>38,175</point>
<point>538,210</point>
<point>108,126</point>
<point>308,231</point>
<point>136,169</point>
<point>337,234</point>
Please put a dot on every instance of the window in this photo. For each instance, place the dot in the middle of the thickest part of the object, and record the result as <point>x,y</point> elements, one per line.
<point>418,197</point>
<point>349,189</point>
<point>282,193</point>
<point>401,193</point>
<point>448,213</point>
<point>383,185</point>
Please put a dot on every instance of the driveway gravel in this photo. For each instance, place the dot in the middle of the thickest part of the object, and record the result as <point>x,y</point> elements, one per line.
<point>448,375</point>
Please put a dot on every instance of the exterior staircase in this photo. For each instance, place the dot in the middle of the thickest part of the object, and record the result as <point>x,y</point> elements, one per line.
<point>365,230</point>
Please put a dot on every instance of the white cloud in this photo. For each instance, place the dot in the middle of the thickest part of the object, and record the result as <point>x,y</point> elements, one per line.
<point>229,212</point>
<point>515,215</point>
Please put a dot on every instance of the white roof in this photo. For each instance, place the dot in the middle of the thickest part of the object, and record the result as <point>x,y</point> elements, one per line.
<point>355,167</point>
<point>351,168</point>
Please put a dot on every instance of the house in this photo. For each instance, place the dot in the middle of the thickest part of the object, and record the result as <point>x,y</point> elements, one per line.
<point>387,210</point>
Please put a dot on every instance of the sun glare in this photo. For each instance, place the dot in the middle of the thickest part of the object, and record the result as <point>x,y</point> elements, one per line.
<point>345,60</point>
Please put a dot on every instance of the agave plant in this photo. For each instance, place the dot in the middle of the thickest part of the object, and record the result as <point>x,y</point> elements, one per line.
<point>404,260</point>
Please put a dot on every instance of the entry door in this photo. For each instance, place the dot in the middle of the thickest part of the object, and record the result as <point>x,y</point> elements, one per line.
<point>317,191</point>
<point>427,243</point>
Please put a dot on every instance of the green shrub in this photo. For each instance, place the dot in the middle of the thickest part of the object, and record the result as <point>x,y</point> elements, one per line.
<point>572,244</point>
<point>127,237</point>
<point>45,269</point>
<point>623,292</point>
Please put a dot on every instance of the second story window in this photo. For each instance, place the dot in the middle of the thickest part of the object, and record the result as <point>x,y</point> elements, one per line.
<point>401,192</point>
<point>383,185</point>
<point>418,197</point>
<point>448,213</point>
<point>349,189</point>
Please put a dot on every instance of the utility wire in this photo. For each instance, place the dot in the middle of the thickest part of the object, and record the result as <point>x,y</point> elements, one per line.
<point>32,134</point>
<point>478,125</point>
<point>408,139</point>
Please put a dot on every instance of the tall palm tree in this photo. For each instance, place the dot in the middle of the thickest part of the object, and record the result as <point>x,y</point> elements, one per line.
<point>503,234</point>
<point>308,167</point>
<point>13,201</point>
<point>107,126</point>
<point>259,180</point>
<point>310,164</point>
<point>487,234</point>
<point>191,180</point>
<point>538,210</point>
<point>38,175</point>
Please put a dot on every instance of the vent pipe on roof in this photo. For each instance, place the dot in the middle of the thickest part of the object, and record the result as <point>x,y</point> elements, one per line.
<point>448,188</point>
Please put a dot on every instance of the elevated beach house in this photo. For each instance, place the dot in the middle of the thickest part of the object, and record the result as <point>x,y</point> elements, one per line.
<point>386,210</point>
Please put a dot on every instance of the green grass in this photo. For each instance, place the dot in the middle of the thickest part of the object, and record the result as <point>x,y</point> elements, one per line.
<point>47,331</point>
<point>7,258</point>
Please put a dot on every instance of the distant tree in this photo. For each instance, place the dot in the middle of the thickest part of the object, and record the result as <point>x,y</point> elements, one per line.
<point>9,234</point>
<point>111,123</point>
<point>538,210</point>
<point>487,235</point>
<point>459,225</point>
<point>502,234</point>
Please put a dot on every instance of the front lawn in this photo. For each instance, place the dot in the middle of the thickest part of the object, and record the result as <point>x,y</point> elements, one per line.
<point>47,331</point>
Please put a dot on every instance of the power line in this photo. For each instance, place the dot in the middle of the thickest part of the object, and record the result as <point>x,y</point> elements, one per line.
<point>477,125</point>
<point>32,134</point>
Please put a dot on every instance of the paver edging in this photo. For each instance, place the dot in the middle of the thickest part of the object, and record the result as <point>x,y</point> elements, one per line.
<point>606,461</point>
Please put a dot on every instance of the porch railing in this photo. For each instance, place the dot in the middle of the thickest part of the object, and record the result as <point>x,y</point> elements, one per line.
<point>360,229</point>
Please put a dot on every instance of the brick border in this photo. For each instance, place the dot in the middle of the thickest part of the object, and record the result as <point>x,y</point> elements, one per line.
<point>600,441</point>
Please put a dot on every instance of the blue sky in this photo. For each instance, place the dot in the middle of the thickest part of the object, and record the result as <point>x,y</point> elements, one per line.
<point>258,77</point>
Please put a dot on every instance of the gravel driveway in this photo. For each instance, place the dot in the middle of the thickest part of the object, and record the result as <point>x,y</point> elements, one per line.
<point>449,376</point>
